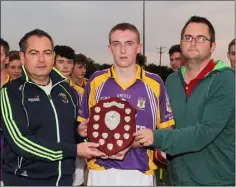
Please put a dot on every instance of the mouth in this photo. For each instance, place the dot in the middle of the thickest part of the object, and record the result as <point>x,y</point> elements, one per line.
<point>65,72</point>
<point>123,58</point>
<point>41,67</point>
<point>194,50</point>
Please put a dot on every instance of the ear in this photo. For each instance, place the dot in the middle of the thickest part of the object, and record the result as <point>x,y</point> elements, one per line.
<point>7,60</point>
<point>180,44</point>
<point>139,48</point>
<point>22,57</point>
<point>213,46</point>
<point>228,55</point>
<point>109,48</point>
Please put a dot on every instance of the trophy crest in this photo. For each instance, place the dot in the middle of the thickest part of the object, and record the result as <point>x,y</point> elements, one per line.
<point>112,124</point>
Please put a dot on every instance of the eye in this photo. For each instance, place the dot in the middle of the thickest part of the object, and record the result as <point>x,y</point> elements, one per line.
<point>48,53</point>
<point>115,44</point>
<point>187,37</point>
<point>33,53</point>
<point>201,38</point>
<point>130,43</point>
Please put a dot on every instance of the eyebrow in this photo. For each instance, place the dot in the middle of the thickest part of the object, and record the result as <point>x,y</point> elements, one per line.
<point>33,50</point>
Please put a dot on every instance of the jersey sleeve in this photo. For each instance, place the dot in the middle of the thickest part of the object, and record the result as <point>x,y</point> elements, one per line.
<point>165,114</point>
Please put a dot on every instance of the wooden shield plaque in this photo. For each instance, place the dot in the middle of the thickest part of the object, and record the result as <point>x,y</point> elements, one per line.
<point>112,124</point>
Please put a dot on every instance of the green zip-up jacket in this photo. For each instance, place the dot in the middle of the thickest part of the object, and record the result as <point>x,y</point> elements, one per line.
<point>202,145</point>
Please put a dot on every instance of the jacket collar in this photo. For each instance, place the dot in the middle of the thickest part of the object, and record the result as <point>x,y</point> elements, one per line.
<point>54,75</point>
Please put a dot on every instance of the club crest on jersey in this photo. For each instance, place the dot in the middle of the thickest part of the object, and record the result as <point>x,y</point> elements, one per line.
<point>141,103</point>
<point>64,98</point>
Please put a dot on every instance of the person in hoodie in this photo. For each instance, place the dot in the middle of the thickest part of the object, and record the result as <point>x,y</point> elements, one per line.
<point>202,96</point>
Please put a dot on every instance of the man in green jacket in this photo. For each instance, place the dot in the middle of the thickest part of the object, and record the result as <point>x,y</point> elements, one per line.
<point>202,97</point>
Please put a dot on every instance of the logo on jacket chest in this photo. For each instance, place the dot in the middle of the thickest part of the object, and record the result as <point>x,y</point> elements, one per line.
<point>34,99</point>
<point>63,97</point>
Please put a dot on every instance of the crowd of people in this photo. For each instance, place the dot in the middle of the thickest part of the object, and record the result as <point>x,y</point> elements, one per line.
<point>46,104</point>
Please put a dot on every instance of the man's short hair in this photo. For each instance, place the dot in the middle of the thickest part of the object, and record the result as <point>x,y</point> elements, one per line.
<point>231,44</point>
<point>140,59</point>
<point>80,59</point>
<point>175,49</point>
<point>5,45</point>
<point>14,55</point>
<point>198,19</point>
<point>64,51</point>
<point>35,32</point>
<point>123,27</point>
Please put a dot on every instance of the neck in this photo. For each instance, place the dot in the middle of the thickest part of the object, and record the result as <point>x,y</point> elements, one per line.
<point>194,67</point>
<point>42,81</point>
<point>125,74</point>
<point>67,79</point>
<point>77,81</point>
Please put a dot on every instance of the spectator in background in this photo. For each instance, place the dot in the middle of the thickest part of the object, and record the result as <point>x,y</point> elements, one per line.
<point>176,57</point>
<point>4,60</point>
<point>79,70</point>
<point>231,53</point>
<point>64,62</point>
<point>14,66</point>
<point>64,59</point>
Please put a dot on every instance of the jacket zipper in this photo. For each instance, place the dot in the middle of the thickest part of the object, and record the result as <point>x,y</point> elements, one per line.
<point>57,125</point>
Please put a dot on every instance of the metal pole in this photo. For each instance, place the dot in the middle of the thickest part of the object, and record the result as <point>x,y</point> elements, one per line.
<point>144,28</point>
<point>160,52</point>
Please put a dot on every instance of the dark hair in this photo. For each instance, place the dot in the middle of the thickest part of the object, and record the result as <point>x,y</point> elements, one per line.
<point>231,44</point>
<point>64,51</point>
<point>14,55</point>
<point>123,27</point>
<point>198,19</point>
<point>80,59</point>
<point>5,45</point>
<point>35,32</point>
<point>141,59</point>
<point>175,49</point>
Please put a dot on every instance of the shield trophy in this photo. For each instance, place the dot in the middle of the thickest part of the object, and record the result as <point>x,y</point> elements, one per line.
<point>112,124</point>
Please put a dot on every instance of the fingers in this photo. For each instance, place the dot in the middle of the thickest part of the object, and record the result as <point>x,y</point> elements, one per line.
<point>104,157</point>
<point>82,129</point>
<point>85,122</point>
<point>92,145</point>
<point>139,132</point>
<point>98,153</point>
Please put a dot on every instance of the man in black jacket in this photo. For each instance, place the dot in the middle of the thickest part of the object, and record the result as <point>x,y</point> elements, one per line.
<point>39,112</point>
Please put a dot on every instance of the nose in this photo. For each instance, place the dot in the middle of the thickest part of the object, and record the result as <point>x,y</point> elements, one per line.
<point>41,57</point>
<point>83,69</point>
<point>193,42</point>
<point>65,66</point>
<point>122,49</point>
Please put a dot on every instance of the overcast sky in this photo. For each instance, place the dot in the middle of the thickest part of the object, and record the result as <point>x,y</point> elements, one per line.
<point>84,25</point>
